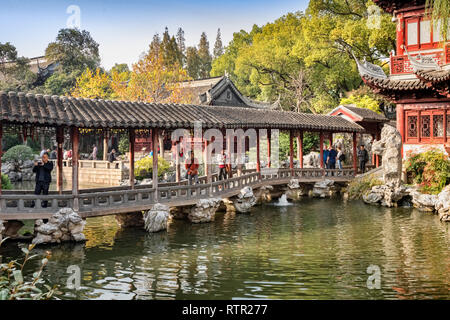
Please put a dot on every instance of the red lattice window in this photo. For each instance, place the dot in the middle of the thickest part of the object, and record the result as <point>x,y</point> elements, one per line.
<point>412,126</point>
<point>425,126</point>
<point>438,125</point>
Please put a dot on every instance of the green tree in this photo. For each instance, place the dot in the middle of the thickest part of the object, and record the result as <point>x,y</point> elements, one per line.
<point>74,51</point>
<point>439,10</point>
<point>218,45</point>
<point>181,44</point>
<point>204,56</point>
<point>193,62</point>
<point>15,73</point>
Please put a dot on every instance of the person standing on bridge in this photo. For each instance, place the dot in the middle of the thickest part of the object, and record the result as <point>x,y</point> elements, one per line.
<point>331,161</point>
<point>363,157</point>
<point>191,166</point>
<point>221,161</point>
<point>43,170</point>
<point>94,152</point>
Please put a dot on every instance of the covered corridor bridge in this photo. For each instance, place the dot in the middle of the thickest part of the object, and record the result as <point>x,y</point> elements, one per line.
<point>73,115</point>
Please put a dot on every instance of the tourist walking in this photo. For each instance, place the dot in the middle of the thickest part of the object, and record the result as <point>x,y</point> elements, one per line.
<point>331,160</point>
<point>54,154</point>
<point>340,158</point>
<point>191,166</point>
<point>112,156</point>
<point>221,161</point>
<point>363,157</point>
<point>93,155</point>
<point>43,170</point>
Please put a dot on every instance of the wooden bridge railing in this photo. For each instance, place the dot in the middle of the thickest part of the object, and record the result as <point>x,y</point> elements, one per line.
<point>144,196</point>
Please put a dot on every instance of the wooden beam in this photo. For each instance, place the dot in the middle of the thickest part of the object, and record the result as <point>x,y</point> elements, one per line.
<point>59,158</point>
<point>229,143</point>
<point>207,159</point>
<point>291,150</point>
<point>300,148</point>
<point>132,138</point>
<point>75,137</point>
<point>258,159</point>
<point>355,166</point>
<point>321,149</point>
<point>161,143</point>
<point>155,162</point>
<point>269,148</point>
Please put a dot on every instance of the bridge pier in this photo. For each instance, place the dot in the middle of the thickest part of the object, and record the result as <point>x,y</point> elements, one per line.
<point>130,220</point>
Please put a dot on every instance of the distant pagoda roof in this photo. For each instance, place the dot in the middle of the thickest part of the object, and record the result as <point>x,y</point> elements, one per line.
<point>391,6</point>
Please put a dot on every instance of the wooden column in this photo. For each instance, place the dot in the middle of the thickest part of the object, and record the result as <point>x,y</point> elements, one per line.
<point>269,148</point>
<point>161,143</point>
<point>291,151</point>
<point>75,137</point>
<point>132,138</point>
<point>155,161</point>
<point>229,142</point>
<point>258,159</point>
<point>59,158</point>
<point>377,158</point>
<point>239,154</point>
<point>105,144</point>
<point>445,125</point>
<point>207,162</point>
<point>300,149</point>
<point>374,156</point>
<point>177,161</point>
<point>331,138</point>
<point>321,149</point>
<point>355,166</point>
<point>1,153</point>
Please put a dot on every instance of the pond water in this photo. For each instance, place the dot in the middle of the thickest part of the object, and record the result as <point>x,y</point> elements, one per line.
<point>315,249</point>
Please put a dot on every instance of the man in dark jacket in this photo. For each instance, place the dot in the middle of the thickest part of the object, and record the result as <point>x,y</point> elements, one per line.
<point>43,170</point>
<point>331,161</point>
<point>363,157</point>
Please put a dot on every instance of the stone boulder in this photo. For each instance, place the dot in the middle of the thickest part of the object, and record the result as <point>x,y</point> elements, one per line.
<point>245,200</point>
<point>295,191</point>
<point>65,225</point>
<point>157,218</point>
<point>424,202</point>
<point>130,220</point>
<point>11,228</point>
<point>204,210</point>
<point>388,196</point>
<point>1,229</point>
<point>311,160</point>
<point>389,147</point>
<point>323,189</point>
<point>264,194</point>
<point>442,204</point>
<point>374,196</point>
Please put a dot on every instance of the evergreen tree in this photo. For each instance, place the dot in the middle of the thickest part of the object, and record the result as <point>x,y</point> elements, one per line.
<point>218,46</point>
<point>193,62</point>
<point>181,41</point>
<point>205,56</point>
<point>169,50</point>
<point>155,45</point>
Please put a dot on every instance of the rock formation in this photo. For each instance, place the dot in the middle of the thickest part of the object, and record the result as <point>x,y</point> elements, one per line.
<point>1,229</point>
<point>389,147</point>
<point>324,188</point>
<point>130,220</point>
<point>264,194</point>
<point>157,218</point>
<point>295,190</point>
<point>442,205</point>
<point>204,210</point>
<point>22,172</point>
<point>311,160</point>
<point>245,200</point>
<point>11,228</point>
<point>65,225</point>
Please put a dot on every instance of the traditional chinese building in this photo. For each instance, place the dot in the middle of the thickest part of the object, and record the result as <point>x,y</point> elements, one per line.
<point>419,78</point>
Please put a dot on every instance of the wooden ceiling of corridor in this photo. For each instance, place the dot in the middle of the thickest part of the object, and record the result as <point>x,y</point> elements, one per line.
<point>45,110</point>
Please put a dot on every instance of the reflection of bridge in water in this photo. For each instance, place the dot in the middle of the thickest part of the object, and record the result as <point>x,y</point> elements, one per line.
<point>18,205</point>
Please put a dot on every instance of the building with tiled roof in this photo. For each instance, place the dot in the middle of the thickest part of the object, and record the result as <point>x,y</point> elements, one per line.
<point>220,91</point>
<point>419,78</point>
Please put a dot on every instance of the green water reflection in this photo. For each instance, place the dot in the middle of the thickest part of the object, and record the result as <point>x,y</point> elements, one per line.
<point>317,249</point>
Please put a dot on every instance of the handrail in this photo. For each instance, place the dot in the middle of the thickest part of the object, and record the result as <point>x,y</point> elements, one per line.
<point>146,195</point>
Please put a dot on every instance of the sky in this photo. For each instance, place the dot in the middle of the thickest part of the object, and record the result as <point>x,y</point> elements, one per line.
<point>124,29</point>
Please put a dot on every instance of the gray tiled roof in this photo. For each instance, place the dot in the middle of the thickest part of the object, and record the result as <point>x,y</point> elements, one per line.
<point>92,113</point>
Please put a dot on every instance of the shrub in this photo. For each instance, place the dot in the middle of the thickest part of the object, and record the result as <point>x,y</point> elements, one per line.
<point>143,168</point>
<point>124,144</point>
<point>358,187</point>
<point>18,153</point>
<point>13,284</point>
<point>6,183</point>
<point>430,170</point>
